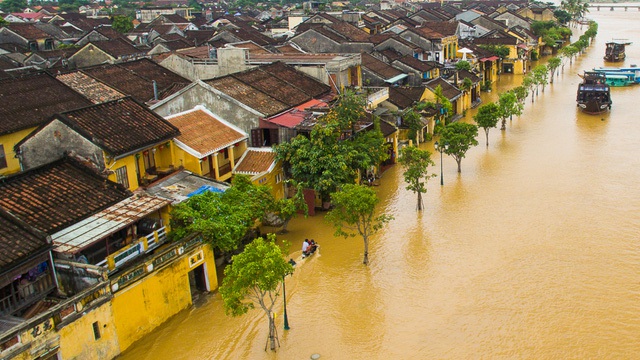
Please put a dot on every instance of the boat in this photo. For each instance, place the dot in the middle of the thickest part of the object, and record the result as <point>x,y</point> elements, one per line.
<point>615,50</point>
<point>594,95</point>
<point>620,76</point>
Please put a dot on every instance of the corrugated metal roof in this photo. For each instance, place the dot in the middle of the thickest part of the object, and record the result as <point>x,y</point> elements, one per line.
<point>98,226</point>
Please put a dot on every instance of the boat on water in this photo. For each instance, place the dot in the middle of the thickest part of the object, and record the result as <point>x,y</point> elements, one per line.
<point>594,95</point>
<point>614,51</point>
<point>620,76</point>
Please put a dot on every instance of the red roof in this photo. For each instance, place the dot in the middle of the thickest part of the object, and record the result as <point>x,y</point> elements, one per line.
<point>311,103</point>
<point>490,58</point>
<point>289,119</point>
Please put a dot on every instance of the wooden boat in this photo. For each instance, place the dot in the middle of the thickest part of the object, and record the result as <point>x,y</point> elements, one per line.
<point>620,76</point>
<point>594,95</point>
<point>615,50</point>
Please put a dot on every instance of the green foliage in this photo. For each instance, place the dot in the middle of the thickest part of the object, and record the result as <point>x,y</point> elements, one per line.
<point>411,119</point>
<point>122,24</point>
<point>541,75</point>
<point>466,84</point>
<point>487,117</point>
<point>521,92</point>
<point>416,164</point>
<point>459,137</point>
<point>443,105</point>
<point>223,219</point>
<point>334,152</point>
<point>3,22</point>
<point>562,16</point>
<point>9,6</point>
<point>254,277</point>
<point>508,105</point>
<point>463,65</point>
<point>354,214</point>
<point>285,209</point>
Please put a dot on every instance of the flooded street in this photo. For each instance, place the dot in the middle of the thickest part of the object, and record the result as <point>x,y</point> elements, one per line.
<point>531,252</point>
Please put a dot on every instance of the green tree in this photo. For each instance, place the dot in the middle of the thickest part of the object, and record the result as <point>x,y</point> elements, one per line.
<point>255,276</point>
<point>10,6</point>
<point>540,76</point>
<point>334,152</point>
<point>562,16</point>
<point>487,117</point>
<point>463,65</point>
<point>354,214</point>
<point>285,209</point>
<point>500,51</point>
<point>459,137</point>
<point>122,24</point>
<point>553,64</point>
<point>521,92</point>
<point>3,22</point>
<point>508,105</point>
<point>443,105</point>
<point>223,219</point>
<point>416,164</point>
<point>412,120</point>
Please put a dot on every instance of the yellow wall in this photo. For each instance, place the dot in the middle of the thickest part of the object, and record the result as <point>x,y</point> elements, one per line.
<point>277,190</point>
<point>163,159</point>
<point>130,163</point>
<point>147,303</point>
<point>188,161</point>
<point>77,340</point>
<point>41,339</point>
<point>8,141</point>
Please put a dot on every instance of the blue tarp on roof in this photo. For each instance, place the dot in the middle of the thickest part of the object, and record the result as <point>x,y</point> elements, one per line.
<point>204,188</point>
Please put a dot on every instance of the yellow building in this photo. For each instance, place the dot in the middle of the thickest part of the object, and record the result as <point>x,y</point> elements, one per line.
<point>208,145</point>
<point>261,165</point>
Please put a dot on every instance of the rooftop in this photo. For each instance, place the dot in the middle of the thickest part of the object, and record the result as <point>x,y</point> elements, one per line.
<point>93,89</point>
<point>18,240</point>
<point>256,161</point>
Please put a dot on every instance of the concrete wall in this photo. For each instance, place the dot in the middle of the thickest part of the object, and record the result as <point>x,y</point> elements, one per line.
<point>89,56</point>
<point>229,61</point>
<point>219,103</point>
<point>52,141</point>
<point>144,305</point>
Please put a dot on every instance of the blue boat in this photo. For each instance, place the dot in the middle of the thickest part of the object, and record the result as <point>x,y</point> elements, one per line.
<point>620,76</point>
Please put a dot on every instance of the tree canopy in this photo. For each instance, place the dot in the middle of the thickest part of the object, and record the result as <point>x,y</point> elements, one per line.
<point>255,277</point>
<point>354,214</point>
<point>416,162</point>
<point>459,137</point>
<point>9,6</point>
<point>223,219</point>
<point>122,24</point>
<point>335,150</point>
<point>487,117</point>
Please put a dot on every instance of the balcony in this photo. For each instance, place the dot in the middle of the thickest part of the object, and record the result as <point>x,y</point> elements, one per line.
<point>375,95</point>
<point>143,246</point>
<point>25,294</point>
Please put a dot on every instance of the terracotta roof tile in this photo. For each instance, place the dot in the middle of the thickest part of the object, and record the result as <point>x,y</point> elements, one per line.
<point>117,47</point>
<point>255,161</point>
<point>58,194</point>
<point>93,89</point>
<point>449,91</point>
<point>405,96</point>
<point>18,240</point>
<point>201,131</point>
<point>119,126</point>
<point>29,101</point>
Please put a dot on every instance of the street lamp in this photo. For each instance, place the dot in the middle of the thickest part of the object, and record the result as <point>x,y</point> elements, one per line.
<point>441,148</point>
<point>284,295</point>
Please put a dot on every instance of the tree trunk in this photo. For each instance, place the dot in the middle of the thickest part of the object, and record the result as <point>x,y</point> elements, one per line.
<point>272,332</point>
<point>459,161</point>
<point>504,124</point>
<point>366,251</point>
<point>419,201</point>
<point>284,226</point>
<point>486,133</point>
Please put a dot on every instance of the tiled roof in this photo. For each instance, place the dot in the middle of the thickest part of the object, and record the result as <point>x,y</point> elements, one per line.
<point>256,161</point>
<point>28,31</point>
<point>414,63</point>
<point>199,37</point>
<point>405,96</point>
<point>449,91</point>
<point>204,134</point>
<point>18,240</point>
<point>248,95</point>
<point>93,89</point>
<point>305,83</point>
<point>250,34</point>
<point>379,67</point>
<point>135,78</point>
<point>119,126</point>
<point>58,194</point>
<point>117,47</point>
<point>462,74</point>
<point>29,101</point>
<point>275,87</point>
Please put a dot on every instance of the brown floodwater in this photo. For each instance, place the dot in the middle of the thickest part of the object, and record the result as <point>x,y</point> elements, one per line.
<point>531,252</point>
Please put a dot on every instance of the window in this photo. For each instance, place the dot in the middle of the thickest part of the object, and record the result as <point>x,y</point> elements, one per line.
<point>3,158</point>
<point>225,153</point>
<point>96,330</point>
<point>121,176</point>
<point>278,178</point>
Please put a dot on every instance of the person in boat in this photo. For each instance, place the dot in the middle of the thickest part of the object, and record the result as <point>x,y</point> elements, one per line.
<point>305,247</point>
<point>312,247</point>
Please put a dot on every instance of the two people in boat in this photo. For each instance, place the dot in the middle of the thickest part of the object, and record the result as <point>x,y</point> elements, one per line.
<point>308,247</point>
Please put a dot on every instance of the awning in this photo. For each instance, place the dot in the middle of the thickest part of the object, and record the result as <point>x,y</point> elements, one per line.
<point>396,78</point>
<point>98,226</point>
<point>490,58</point>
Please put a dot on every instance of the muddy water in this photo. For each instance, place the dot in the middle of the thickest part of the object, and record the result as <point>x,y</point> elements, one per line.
<point>531,252</point>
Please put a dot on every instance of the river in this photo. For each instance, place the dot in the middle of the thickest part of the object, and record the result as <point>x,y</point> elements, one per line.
<point>531,252</point>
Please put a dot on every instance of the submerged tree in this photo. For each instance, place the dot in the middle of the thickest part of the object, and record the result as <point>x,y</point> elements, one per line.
<point>255,277</point>
<point>553,64</point>
<point>416,164</point>
<point>508,105</point>
<point>459,137</point>
<point>487,117</point>
<point>354,214</point>
<point>283,210</point>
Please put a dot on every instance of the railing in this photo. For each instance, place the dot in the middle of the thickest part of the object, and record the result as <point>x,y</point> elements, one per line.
<point>26,294</point>
<point>376,95</point>
<point>204,61</point>
<point>143,246</point>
